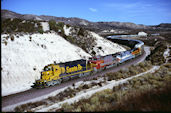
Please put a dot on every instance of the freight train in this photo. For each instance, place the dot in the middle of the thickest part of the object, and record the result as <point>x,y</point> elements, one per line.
<point>53,74</point>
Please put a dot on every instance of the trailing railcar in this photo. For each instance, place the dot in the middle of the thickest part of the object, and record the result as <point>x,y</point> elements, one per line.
<point>124,56</point>
<point>103,62</point>
<point>138,48</point>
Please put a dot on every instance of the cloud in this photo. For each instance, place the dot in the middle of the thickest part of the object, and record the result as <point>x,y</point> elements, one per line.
<point>129,6</point>
<point>122,5</point>
<point>93,10</point>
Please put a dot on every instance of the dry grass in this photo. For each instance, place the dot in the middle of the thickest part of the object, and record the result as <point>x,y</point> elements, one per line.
<point>150,100</point>
<point>107,99</point>
<point>131,71</point>
<point>28,106</point>
<point>150,92</point>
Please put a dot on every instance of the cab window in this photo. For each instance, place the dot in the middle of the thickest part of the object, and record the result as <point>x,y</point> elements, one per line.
<point>47,68</point>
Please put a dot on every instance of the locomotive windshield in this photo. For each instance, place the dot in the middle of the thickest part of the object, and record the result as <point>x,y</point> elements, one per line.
<point>47,68</point>
<point>94,58</point>
<point>134,49</point>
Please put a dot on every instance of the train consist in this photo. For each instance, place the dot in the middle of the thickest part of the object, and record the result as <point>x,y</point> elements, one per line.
<point>53,74</point>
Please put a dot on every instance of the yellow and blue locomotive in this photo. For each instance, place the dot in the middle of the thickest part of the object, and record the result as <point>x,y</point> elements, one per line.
<point>56,73</point>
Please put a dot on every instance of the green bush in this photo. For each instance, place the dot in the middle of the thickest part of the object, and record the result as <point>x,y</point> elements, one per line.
<point>52,25</point>
<point>40,31</point>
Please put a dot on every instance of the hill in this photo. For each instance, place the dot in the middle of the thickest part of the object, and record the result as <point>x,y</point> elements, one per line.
<point>95,26</point>
<point>29,45</point>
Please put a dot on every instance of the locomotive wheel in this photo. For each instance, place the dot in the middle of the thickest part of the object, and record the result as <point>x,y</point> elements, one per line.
<point>48,84</point>
<point>53,82</point>
<point>65,79</point>
<point>58,81</point>
<point>81,75</point>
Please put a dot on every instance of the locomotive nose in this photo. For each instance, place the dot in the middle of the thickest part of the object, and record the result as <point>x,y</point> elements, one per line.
<point>36,84</point>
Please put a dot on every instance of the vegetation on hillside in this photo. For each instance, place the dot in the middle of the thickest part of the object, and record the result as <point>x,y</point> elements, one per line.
<point>78,36</point>
<point>156,56</point>
<point>19,25</point>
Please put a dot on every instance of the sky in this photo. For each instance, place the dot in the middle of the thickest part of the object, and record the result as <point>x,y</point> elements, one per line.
<point>147,12</point>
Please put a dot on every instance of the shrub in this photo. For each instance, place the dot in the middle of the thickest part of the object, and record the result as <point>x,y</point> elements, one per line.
<point>167,78</point>
<point>133,71</point>
<point>5,42</point>
<point>168,65</point>
<point>67,25</point>
<point>70,39</point>
<point>40,31</point>
<point>52,25</point>
<point>100,48</point>
<point>66,107</point>
<point>156,57</point>
<point>34,68</point>
<point>12,38</point>
<point>94,100</point>
<point>43,46</point>
<point>93,52</point>
<point>100,84</point>
<point>141,64</point>
<point>81,32</point>
<point>78,109</point>
<point>52,99</point>
<point>85,86</point>
<point>28,106</point>
<point>94,78</point>
<point>86,107</point>
<point>7,37</point>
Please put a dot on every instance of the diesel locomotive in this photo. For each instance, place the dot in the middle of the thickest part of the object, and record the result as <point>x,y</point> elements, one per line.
<point>53,74</point>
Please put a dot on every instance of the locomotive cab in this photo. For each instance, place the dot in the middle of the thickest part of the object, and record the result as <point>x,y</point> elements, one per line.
<point>95,62</point>
<point>136,51</point>
<point>45,75</point>
<point>50,72</point>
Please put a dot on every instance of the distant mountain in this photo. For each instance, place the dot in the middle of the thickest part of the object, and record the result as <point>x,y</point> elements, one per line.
<point>95,26</point>
<point>164,26</point>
